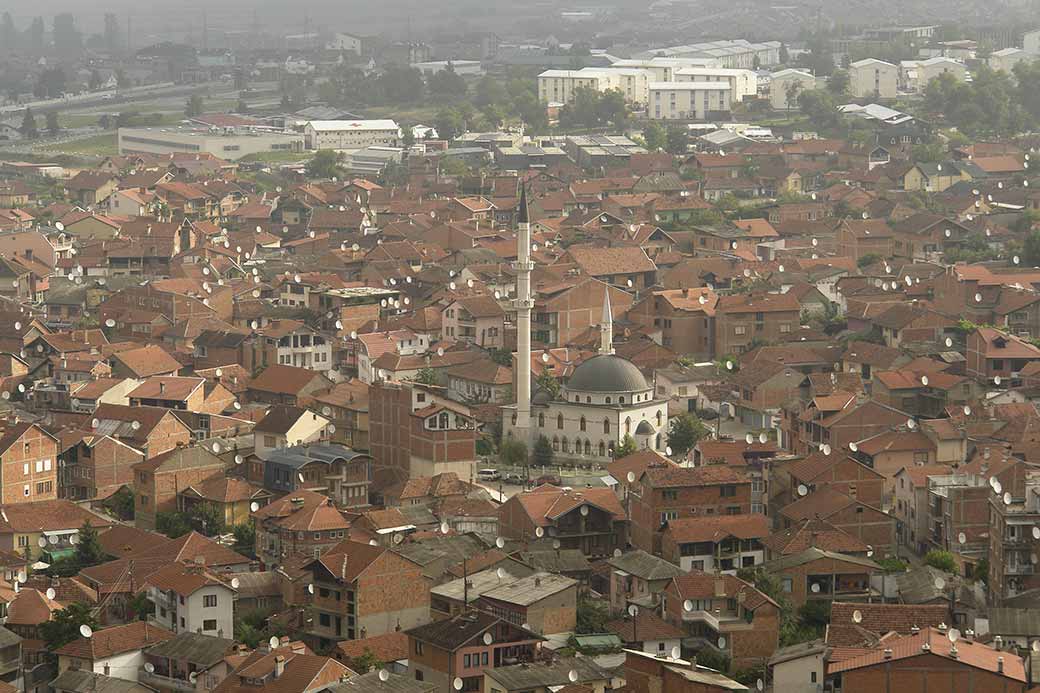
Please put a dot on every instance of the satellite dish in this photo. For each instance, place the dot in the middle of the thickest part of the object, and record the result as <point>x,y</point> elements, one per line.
<point>299,477</point>
<point>949,342</point>
<point>457,684</point>
<point>667,451</point>
<point>853,447</point>
<point>572,676</point>
<point>488,638</point>
<point>962,538</point>
<point>539,532</point>
<point>996,380</point>
<point>545,357</point>
<point>193,677</point>
<point>274,641</point>
<point>86,631</point>
<point>74,539</point>
<point>1015,259</point>
<point>384,675</point>
<point>235,582</point>
<point>1007,498</point>
<point>762,438</point>
<point>51,593</point>
<point>729,365</point>
<point>254,506</point>
<point>149,667</point>
<point>633,610</point>
<point>803,489</point>
<point>60,226</point>
<point>749,439</point>
<point>500,542</point>
<point>967,410</point>
<point>826,449</point>
<point>857,616</point>
<point>760,685</point>
<point>501,574</point>
<point>687,605</point>
<point>584,511</point>
<point>676,652</point>
<point>954,635</point>
<point>781,268</point>
<point>815,587</point>
<point>722,643</point>
<point>924,379</point>
<point>42,542</point>
<point>617,553</point>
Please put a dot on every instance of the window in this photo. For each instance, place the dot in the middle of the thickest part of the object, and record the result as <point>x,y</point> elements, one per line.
<point>739,329</point>
<point>25,490</point>
<point>418,673</point>
<point>606,425</point>
<point>209,600</point>
<point>812,677</point>
<point>484,658</point>
<point>418,649</point>
<point>727,490</point>
<point>787,584</point>
<point>270,441</point>
<point>559,421</point>
<point>25,469</point>
<point>466,661</point>
<point>541,420</point>
<point>23,540</point>
<point>581,424</point>
<point>209,624</point>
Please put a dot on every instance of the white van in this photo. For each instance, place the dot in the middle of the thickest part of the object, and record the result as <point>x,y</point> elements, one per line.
<point>488,475</point>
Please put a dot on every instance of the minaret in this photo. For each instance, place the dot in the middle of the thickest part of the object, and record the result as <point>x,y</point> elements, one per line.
<point>523,304</point>
<point>606,325</point>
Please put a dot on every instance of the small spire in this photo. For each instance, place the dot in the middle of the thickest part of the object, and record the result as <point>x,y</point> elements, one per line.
<point>523,217</point>
<point>606,326</point>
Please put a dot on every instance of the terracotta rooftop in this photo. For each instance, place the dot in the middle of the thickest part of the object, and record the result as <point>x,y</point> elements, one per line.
<point>108,642</point>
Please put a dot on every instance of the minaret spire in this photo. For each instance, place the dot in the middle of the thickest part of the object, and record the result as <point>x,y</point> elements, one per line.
<point>606,325</point>
<point>523,304</point>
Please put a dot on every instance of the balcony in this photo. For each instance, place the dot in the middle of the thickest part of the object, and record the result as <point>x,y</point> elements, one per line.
<point>1019,569</point>
<point>161,682</point>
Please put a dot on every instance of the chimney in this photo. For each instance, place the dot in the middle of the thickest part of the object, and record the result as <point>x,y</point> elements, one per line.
<point>279,666</point>
<point>914,630</point>
<point>720,587</point>
<point>538,582</point>
<point>1000,665</point>
<point>162,388</point>
<point>888,653</point>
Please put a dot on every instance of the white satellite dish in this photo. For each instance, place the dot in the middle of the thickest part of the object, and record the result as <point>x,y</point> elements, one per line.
<point>633,610</point>
<point>962,538</point>
<point>803,490</point>
<point>488,638</point>
<point>826,449</point>
<point>254,506</point>
<point>857,616</point>
<point>539,532</point>
<point>235,582</point>
<point>687,605</point>
<point>149,667</point>
<point>499,543</point>
<point>572,676</point>
<point>42,542</point>
<point>274,641</point>
<point>457,684</point>
<point>86,631</point>
<point>51,593</point>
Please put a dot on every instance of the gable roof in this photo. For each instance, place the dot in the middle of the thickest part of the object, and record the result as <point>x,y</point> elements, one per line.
<point>108,642</point>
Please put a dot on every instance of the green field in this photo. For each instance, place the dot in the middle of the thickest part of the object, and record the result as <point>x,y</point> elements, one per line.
<point>97,145</point>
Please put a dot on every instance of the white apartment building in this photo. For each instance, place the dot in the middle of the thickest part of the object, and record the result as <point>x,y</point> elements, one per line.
<point>559,86</point>
<point>688,100</point>
<point>1006,59</point>
<point>351,134</point>
<point>737,53</point>
<point>916,74</point>
<point>230,146</point>
<point>663,69</point>
<point>783,84</point>
<point>191,599</point>
<point>870,78</point>
<point>742,83</point>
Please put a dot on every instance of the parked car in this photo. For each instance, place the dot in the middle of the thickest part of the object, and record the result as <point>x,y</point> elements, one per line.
<point>514,478</point>
<point>488,475</point>
<point>548,479</point>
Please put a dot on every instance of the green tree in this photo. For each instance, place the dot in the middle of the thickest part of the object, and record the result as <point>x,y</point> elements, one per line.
<point>252,627</point>
<point>173,524</point>
<point>489,91</point>
<point>655,137</point>
<point>449,124</point>
<point>194,106</point>
<point>593,615</point>
<point>503,357</point>
<point>452,166</point>
<point>245,538</point>
<point>446,85</point>
<point>545,381</point>
<point>542,455</point>
<point>943,560</point>
<point>819,106</point>
<point>426,376</point>
<point>366,662</point>
<point>88,550</point>
<point>512,452</point>
<point>139,607</point>
<point>51,83</point>
<point>121,504</point>
<point>64,625</point>
<point>407,137</point>
<point>28,128</point>
<point>206,519</point>
<point>1031,249</point>
<point>868,260</point>
<point>678,139</point>
<point>980,571</point>
<point>324,164</point>
<point>52,123</point>
<point>838,83</point>
<point>627,447</point>
<point>685,431</point>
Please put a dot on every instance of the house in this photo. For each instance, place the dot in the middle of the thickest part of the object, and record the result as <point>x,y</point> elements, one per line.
<point>667,493</point>
<point>343,474</point>
<point>191,394</point>
<point>813,533</point>
<point>228,498</point>
<point>285,669</point>
<point>391,649</point>
<point>143,362</point>
<point>727,543</point>
<point>844,474</point>
<point>816,574</point>
<point>158,479</point>
<point>786,85</point>
<point>905,663</point>
<point>28,464</point>
<point>96,467</point>
<point>647,632</point>
<point>91,188</point>
<point>83,681</point>
<point>998,357</point>
<point>288,343</point>
<point>590,520</point>
<point>191,598</point>
<point>187,655</point>
<point>871,78</point>
<point>362,590</point>
<point>284,426</point>
<point>281,384</point>
<point>639,578</point>
<point>725,615</point>
<point>744,319</point>
<point>545,602</point>
<point>481,381</point>
<point>868,523</point>
<point>476,320</point>
<point>152,430</point>
<point>684,318</point>
<point>467,647</point>
<point>621,266</point>
<point>117,651</point>
<point>302,523</point>
<point>661,672</point>
<point>565,674</point>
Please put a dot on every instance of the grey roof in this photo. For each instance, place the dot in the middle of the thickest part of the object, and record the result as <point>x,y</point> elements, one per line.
<point>300,455</point>
<point>201,650</point>
<point>481,583</point>
<point>1004,621</point>
<point>371,683</point>
<point>524,676</point>
<point>531,589</point>
<point>89,682</point>
<point>797,651</point>
<point>562,561</point>
<point>645,566</point>
<point>418,514</point>
<point>265,584</point>
<point>813,554</point>
<point>918,587</point>
<point>607,373</point>
<point>453,547</point>
<point>455,632</point>
<point>8,638</point>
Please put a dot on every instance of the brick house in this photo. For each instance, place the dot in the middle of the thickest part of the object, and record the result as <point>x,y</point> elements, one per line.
<point>763,388</point>
<point>415,432</point>
<point>838,472</point>
<point>684,318</point>
<point>465,646</point>
<point>280,384</point>
<point>564,310</point>
<point>867,523</point>
<point>726,615</point>
<point>158,480</point>
<point>670,493</point>
<point>657,671</point>
<point>591,520</point>
<point>477,320</point>
<point>639,578</point>
<point>741,319</point>
<point>726,543</point>
<point>991,354</point>
<point>152,430</point>
<point>362,590</point>
<point>812,533</point>
<point>545,602</point>
<point>622,266</point>
<point>816,574</point>
<point>182,393</point>
<point>28,464</point>
<point>96,467</point>
<point>301,523</point>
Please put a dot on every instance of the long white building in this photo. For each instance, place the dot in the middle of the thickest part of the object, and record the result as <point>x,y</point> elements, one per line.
<point>737,53</point>
<point>688,100</point>
<point>351,134</point>
<point>559,86</point>
<point>742,83</point>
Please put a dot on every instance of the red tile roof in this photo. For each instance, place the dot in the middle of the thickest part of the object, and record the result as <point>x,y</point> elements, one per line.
<point>718,527</point>
<point>109,642</point>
